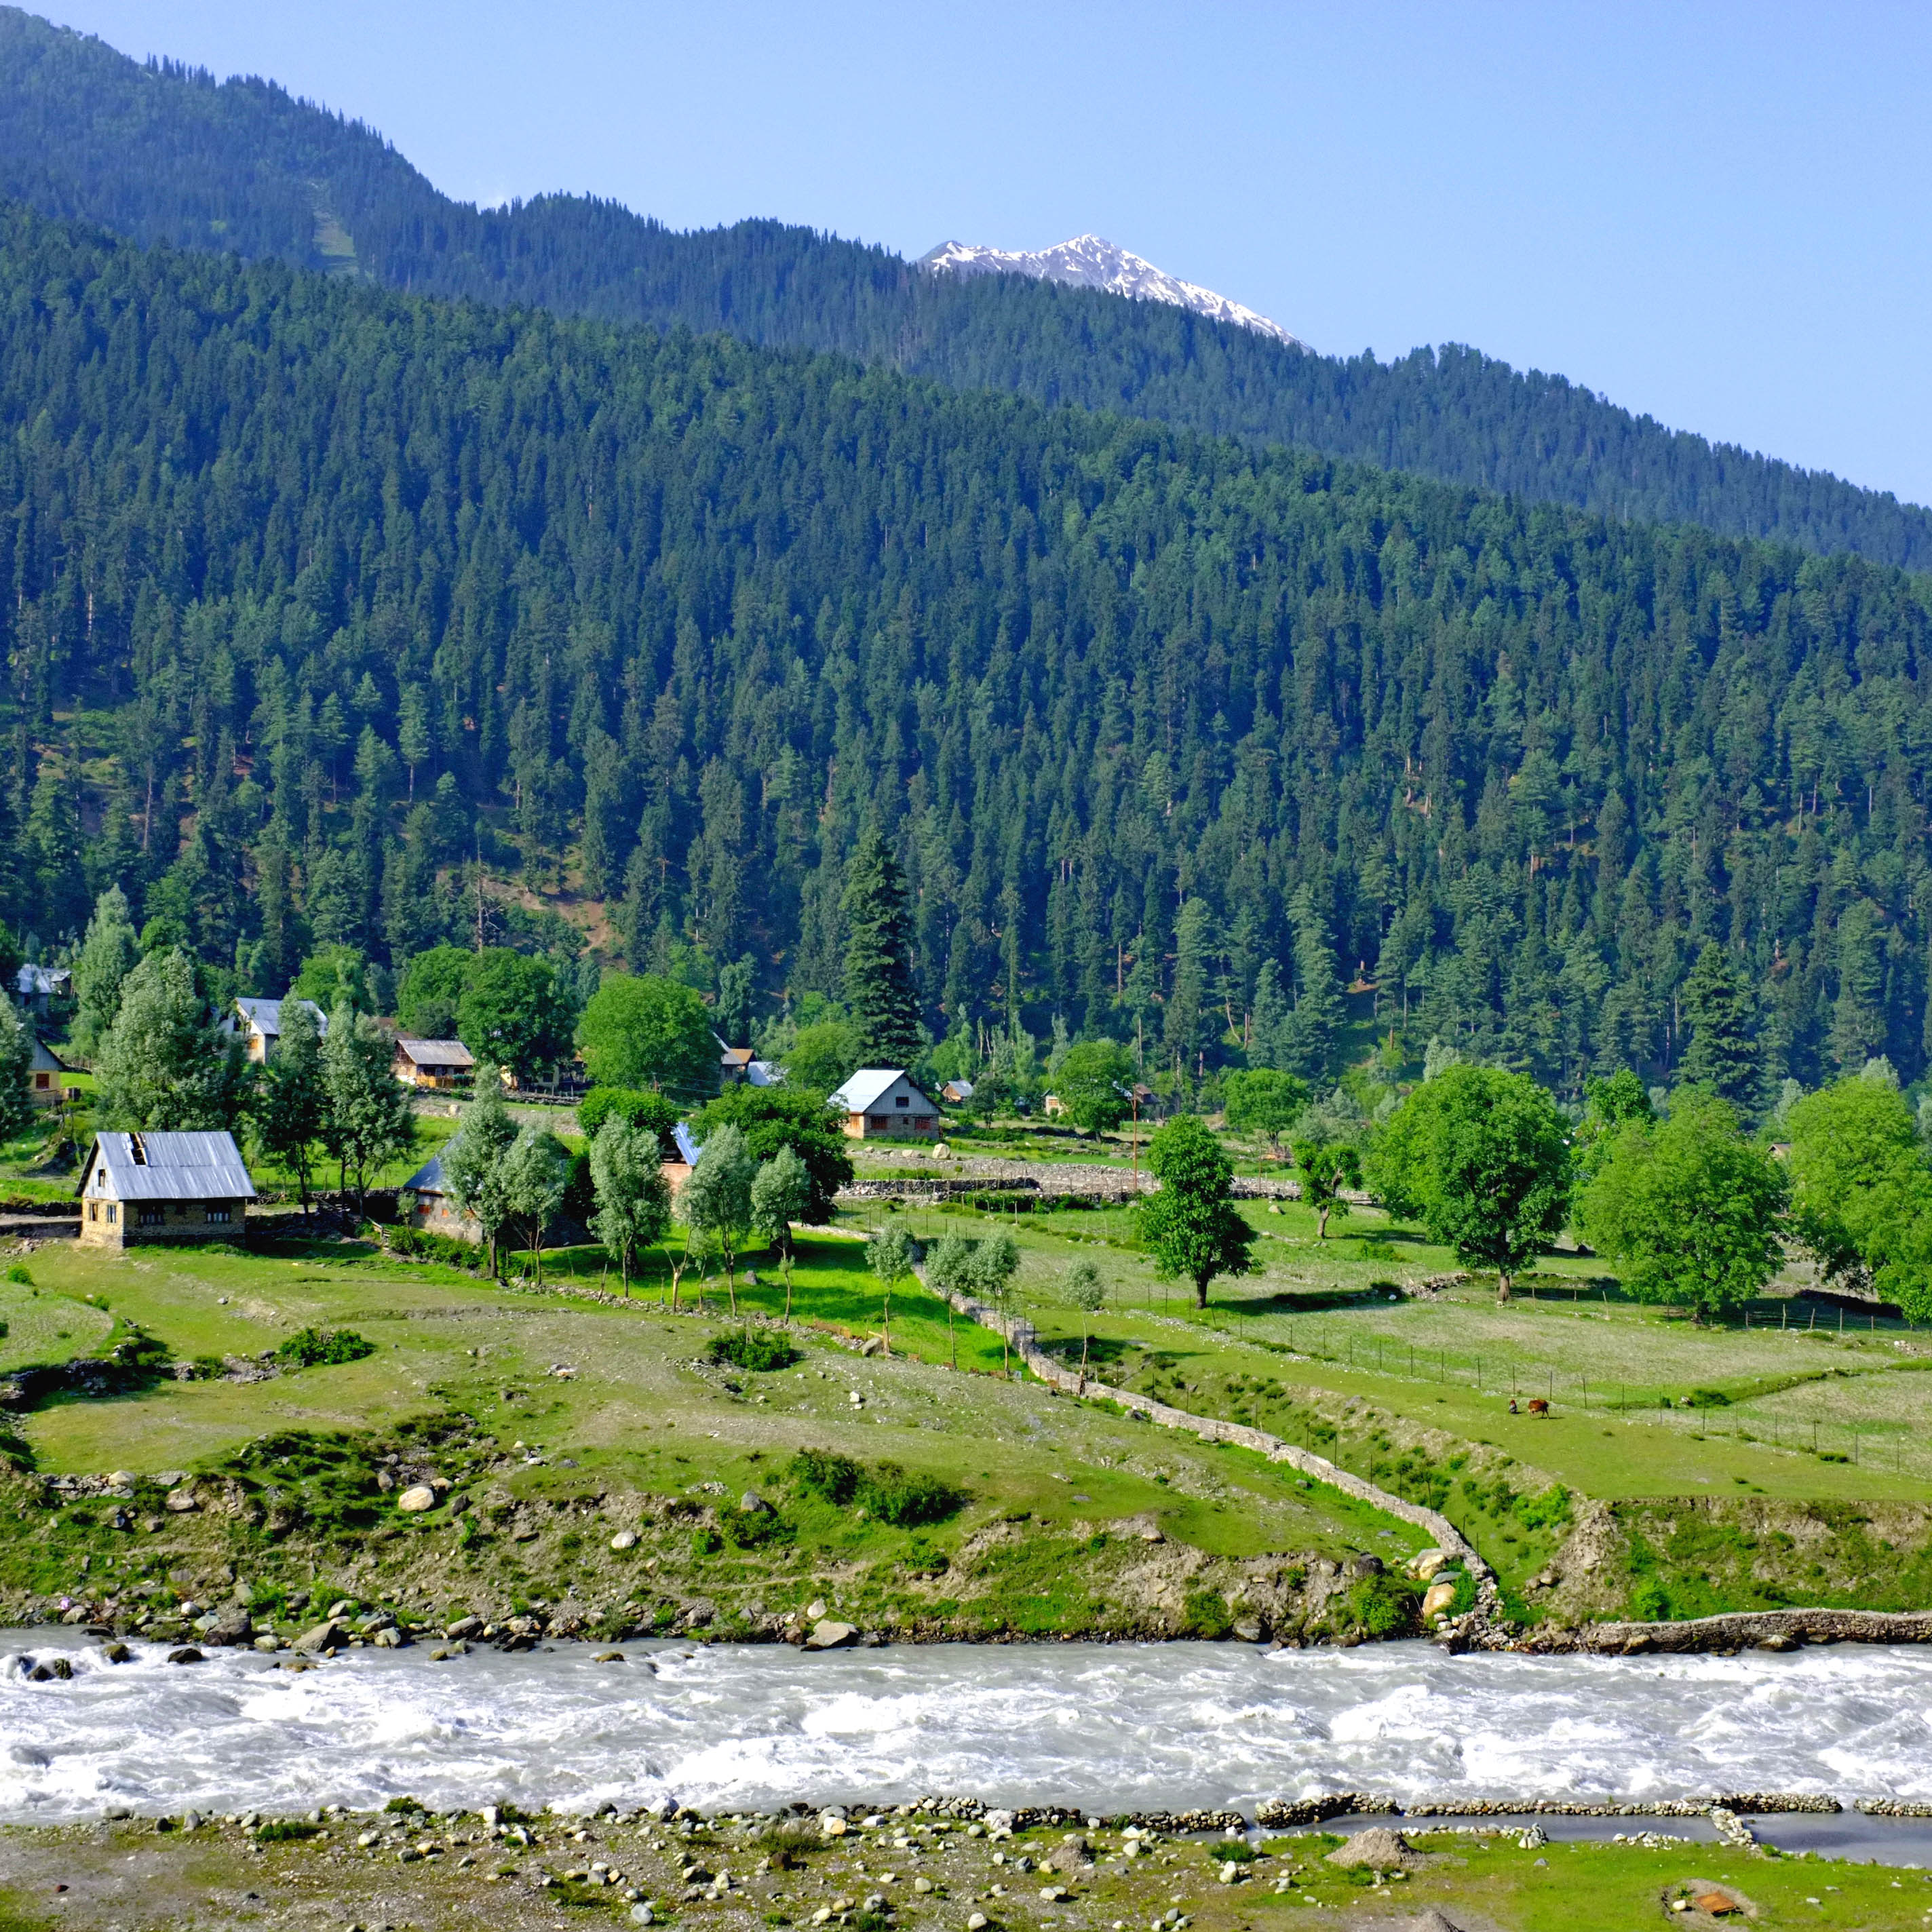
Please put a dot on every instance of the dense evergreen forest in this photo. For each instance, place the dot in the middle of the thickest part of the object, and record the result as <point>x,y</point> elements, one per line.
<point>164,154</point>
<point>334,614</point>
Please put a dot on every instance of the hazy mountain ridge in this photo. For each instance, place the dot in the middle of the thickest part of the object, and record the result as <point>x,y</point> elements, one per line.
<point>162,153</point>
<point>1089,262</point>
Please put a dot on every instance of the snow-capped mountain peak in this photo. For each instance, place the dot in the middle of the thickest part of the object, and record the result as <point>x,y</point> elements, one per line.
<point>1086,262</point>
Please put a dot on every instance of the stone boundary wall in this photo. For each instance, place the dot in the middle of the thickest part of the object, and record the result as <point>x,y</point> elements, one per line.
<point>1739,1630</point>
<point>1023,1338</point>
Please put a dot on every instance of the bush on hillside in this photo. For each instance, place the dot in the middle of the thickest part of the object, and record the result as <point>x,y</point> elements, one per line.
<point>756,1349</point>
<point>323,1348</point>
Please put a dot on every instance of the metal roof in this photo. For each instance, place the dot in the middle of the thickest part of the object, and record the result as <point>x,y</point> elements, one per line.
<point>428,1179</point>
<point>48,982</point>
<point>436,1052</point>
<point>869,1085</point>
<point>168,1167</point>
<point>265,1015</point>
<point>688,1149</point>
<point>46,1060</point>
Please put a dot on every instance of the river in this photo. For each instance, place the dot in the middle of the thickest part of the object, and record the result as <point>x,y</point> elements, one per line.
<point>1109,1727</point>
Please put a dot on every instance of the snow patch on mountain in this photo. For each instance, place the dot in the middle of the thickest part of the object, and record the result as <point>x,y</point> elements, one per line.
<point>1086,262</point>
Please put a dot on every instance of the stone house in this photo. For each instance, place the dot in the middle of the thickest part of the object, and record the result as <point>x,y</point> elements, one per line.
<point>175,1188</point>
<point>38,989</point>
<point>879,1102</point>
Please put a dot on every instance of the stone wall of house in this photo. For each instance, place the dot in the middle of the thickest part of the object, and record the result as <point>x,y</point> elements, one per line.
<point>182,1223</point>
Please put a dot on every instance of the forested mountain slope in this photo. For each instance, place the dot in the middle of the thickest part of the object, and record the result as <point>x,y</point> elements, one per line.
<point>316,591</point>
<point>165,154</point>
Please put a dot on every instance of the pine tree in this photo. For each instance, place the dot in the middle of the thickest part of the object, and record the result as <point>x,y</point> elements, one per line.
<point>879,988</point>
<point>1308,1035</point>
<point>1717,1009</point>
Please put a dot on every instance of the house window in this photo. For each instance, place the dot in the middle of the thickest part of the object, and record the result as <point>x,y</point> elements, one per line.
<point>94,1210</point>
<point>44,1081</point>
<point>216,1211</point>
<point>880,1119</point>
<point>113,1214</point>
<point>904,1100</point>
<point>923,1120</point>
<point>152,1216</point>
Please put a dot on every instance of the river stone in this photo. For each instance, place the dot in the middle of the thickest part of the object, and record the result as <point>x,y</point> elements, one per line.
<point>414,1501</point>
<point>330,1635</point>
<point>1424,1564</point>
<point>826,1635</point>
<point>815,1608</point>
<point>1437,1598</point>
<point>1379,1848</point>
<point>188,1654</point>
<point>464,1627</point>
<point>233,1626</point>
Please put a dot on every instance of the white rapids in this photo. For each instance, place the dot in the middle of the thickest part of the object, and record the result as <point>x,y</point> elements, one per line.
<point>1109,1727</point>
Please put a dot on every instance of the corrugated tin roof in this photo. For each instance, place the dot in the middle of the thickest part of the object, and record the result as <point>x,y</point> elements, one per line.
<point>437,1052</point>
<point>868,1085</point>
<point>266,1016</point>
<point>764,1073</point>
<point>46,1060</point>
<point>172,1167</point>
<point>428,1179</point>
<point>688,1149</point>
<point>32,981</point>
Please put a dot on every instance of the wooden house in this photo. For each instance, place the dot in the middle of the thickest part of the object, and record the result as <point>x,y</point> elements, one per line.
<point>155,1187</point>
<point>879,1102</point>
<point>44,1076</point>
<point>434,1063</point>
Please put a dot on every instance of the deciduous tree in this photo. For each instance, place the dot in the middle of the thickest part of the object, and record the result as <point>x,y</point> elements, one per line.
<point>1192,1225</point>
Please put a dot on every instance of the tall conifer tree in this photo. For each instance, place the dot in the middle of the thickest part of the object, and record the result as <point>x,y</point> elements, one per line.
<point>879,987</point>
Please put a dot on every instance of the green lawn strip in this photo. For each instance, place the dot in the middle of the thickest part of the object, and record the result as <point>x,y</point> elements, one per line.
<point>1558,1887</point>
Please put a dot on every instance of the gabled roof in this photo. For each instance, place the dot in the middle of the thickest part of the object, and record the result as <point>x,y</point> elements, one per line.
<point>764,1073</point>
<point>46,1060</point>
<point>736,1056</point>
<point>168,1167</point>
<point>436,1052</point>
<point>868,1085</point>
<point>265,1015</point>
<point>688,1147</point>
<point>33,982</point>
<point>428,1179</point>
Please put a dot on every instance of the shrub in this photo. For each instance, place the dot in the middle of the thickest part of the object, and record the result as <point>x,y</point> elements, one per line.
<point>755,1529</point>
<point>209,1368</point>
<point>1548,1511</point>
<point>1381,1606</point>
<point>1232,1851</point>
<point>826,1474</point>
<point>277,1831</point>
<point>18,1273</point>
<point>706,1543</point>
<point>419,1244</point>
<point>753,1348</point>
<point>1375,1248</point>
<point>1204,1614</point>
<point>323,1348</point>
<point>904,1500</point>
<point>1464,1600</point>
<point>1650,1603</point>
<point>1709,1398</point>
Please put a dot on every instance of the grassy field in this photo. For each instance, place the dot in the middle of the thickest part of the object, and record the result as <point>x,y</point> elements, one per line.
<point>537,1398</point>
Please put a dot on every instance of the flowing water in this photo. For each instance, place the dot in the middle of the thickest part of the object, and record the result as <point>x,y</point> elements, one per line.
<point>1108,1727</point>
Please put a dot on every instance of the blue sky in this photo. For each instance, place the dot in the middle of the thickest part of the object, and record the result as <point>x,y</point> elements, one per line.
<point>1717,214</point>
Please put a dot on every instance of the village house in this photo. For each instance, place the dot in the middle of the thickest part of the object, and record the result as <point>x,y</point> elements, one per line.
<point>44,1076</point>
<point>424,1201</point>
<point>156,1187</point>
<point>259,1022</point>
<point>739,1067</point>
<point>37,989</point>
<point>879,1102</point>
<point>434,1063</point>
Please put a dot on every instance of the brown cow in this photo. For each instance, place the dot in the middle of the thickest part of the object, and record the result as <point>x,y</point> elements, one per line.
<point>1537,1406</point>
